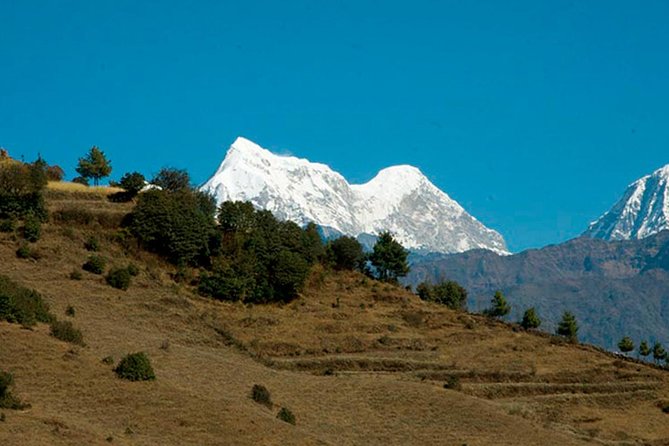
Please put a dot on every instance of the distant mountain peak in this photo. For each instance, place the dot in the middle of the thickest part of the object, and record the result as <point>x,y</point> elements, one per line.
<point>642,211</point>
<point>399,199</point>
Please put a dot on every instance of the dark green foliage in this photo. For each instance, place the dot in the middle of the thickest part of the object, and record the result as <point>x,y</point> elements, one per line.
<point>568,327</point>
<point>119,278</point>
<point>261,395</point>
<point>530,319</point>
<point>178,225</point>
<point>448,293</point>
<point>238,217</point>
<point>95,264</point>
<point>644,349</point>
<point>22,305</point>
<point>499,307</point>
<point>80,180</point>
<point>659,353</point>
<point>65,331</point>
<point>172,180</point>
<point>290,270</point>
<point>70,311</point>
<point>92,244</point>
<point>21,187</point>
<point>626,344</point>
<point>7,225</point>
<point>24,251</point>
<point>453,383</point>
<point>54,173</point>
<point>223,285</point>
<point>133,269</point>
<point>314,250</point>
<point>345,253</point>
<point>286,415</point>
<point>135,367</point>
<point>389,258</point>
<point>75,274</point>
<point>7,400</point>
<point>94,165</point>
<point>32,227</point>
<point>132,183</point>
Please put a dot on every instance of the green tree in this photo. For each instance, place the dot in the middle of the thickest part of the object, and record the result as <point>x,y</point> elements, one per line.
<point>172,179</point>
<point>132,183</point>
<point>568,327</point>
<point>644,349</point>
<point>312,242</point>
<point>499,307</point>
<point>449,293</point>
<point>626,344</point>
<point>389,258</point>
<point>530,319</point>
<point>94,165</point>
<point>658,352</point>
<point>345,253</point>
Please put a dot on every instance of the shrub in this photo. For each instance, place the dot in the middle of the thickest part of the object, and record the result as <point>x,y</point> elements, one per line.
<point>453,383</point>
<point>135,367</point>
<point>80,180</point>
<point>568,327</point>
<point>345,253</point>
<point>261,395</point>
<point>132,182</point>
<point>22,305</point>
<point>32,228</point>
<point>286,415</point>
<point>108,360</point>
<point>499,307</point>
<point>133,269</point>
<point>24,251</point>
<point>448,293</point>
<point>70,311</point>
<point>7,400</point>
<point>119,278</point>
<point>92,244</point>
<point>7,225</point>
<point>95,264</point>
<point>65,331</point>
<point>75,274</point>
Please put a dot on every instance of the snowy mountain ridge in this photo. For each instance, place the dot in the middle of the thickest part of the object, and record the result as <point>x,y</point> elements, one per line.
<point>642,211</point>
<point>399,199</point>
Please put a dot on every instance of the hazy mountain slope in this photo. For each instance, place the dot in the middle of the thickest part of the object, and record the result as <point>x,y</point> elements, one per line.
<point>643,210</point>
<point>400,199</point>
<point>614,288</point>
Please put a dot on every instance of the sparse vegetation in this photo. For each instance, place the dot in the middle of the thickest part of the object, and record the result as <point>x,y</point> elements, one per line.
<point>286,415</point>
<point>95,264</point>
<point>119,278</point>
<point>7,400</point>
<point>22,305</point>
<point>32,228</point>
<point>76,275</point>
<point>261,395</point>
<point>135,367</point>
<point>92,244</point>
<point>448,293</point>
<point>70,311</point>
<point>65,331</point>
<point>25,251</point>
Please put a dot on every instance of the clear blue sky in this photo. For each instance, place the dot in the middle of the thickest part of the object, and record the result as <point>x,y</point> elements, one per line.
<point>534,115</point>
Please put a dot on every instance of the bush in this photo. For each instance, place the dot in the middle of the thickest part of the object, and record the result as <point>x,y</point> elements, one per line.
<point>26,252</point>
<point>286,415</point>
<point>530,319</point>
<point>70,311</point>
<point>22,305</point>
<point>95,264</point>
<point>132,183</point>
<point>135,367</point>
<point>65,331</point>
<point>7,225</point>
<point>80,180</point>
<point>453,383</point>
<point>261,395</point>
<point>32,228</point>
<point>7,400</point>
<point>346,253</point>
<point>108,360</point>
<point>75,274</point>
<point>447,293</point>
<point>92,244</point>
<point>119,278</point>
<point>133,269</point>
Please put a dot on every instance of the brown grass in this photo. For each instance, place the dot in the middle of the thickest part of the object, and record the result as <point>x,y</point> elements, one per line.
<point>369,369</point>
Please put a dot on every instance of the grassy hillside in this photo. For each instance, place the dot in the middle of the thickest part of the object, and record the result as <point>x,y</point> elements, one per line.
<point>356,361</point>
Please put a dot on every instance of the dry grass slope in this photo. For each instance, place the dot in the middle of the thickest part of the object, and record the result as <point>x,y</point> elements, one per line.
<point>356,361</point>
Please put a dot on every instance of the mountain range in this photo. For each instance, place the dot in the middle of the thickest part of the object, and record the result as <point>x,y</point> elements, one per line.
<point>399,199</point>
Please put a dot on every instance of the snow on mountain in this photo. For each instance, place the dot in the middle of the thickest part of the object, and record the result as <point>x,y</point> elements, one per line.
<point>399,199</point>
<point>642,211</point>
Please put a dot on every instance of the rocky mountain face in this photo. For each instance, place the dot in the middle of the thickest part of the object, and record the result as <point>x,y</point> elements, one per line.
<point>642,211</point>
<point>615,288</point>
<point>399,199</point>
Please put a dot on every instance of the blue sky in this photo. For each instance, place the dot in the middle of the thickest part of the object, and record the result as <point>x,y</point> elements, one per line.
<point>533,115</point>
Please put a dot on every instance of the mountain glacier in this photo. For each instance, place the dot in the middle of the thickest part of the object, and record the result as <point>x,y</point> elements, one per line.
<point>642,211</point>
<point>399,199</point>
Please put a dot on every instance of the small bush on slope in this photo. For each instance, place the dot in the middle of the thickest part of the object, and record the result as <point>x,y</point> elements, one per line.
<point>135,367</point>
<point>22,305</point>
<point>65,331</point>
<point>119,278</point>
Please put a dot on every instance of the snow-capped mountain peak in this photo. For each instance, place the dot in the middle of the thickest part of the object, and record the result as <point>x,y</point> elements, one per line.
<point>399,199</point>
<point>642,211</point>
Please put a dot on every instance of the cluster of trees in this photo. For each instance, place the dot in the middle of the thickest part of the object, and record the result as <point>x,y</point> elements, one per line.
<point>22,186</point>
<point>626,345</point>
<point>246,254</point>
